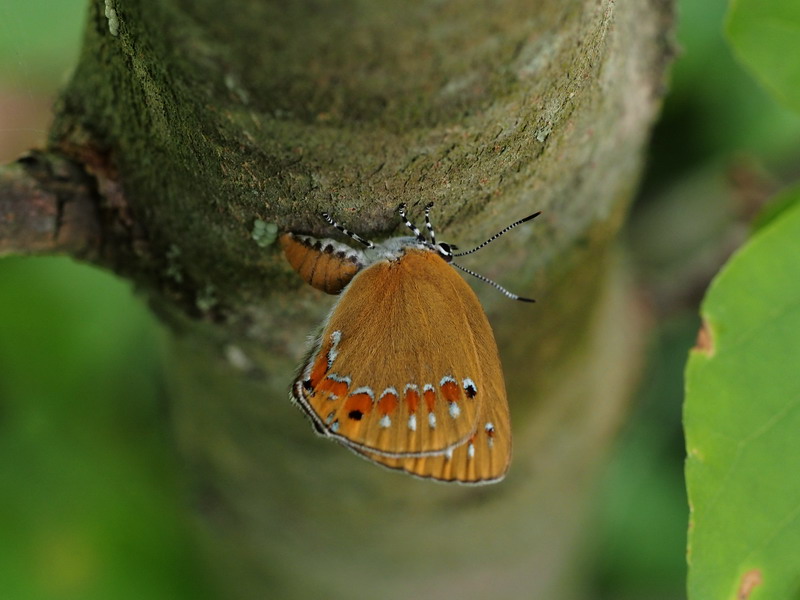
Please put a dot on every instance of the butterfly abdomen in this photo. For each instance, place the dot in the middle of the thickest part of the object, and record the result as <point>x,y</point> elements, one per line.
<point>324,264</point>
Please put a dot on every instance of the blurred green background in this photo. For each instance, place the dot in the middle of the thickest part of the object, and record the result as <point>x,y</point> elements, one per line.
<point>90,506</point>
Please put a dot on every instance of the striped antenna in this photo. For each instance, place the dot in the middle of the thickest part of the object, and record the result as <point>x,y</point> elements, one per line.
<point>428,208</point>
<point>497,235</point>
<point>401,210</point>
<point>493,283</point>
<point>345,231</point>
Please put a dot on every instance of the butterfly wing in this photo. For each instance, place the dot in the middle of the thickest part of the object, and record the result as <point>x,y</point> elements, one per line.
<point>400,368</point>
<point>485,456</point>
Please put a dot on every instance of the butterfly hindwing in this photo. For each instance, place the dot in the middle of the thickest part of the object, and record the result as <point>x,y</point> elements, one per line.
<point>397,370</point>
<point>483,458</point>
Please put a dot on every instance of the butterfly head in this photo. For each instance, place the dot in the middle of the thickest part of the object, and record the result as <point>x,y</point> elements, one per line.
<point>444,250</point>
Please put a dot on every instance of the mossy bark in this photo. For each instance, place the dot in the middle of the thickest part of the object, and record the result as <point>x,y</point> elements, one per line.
<point>204,121</point>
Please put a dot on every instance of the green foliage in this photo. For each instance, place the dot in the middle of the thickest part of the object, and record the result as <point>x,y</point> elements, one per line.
<point>39,40</point>
<point>781,203</point>
<point>742,418</point>
<point>89,508</point>
<point>766,36</point>
<point>714,107</point>
<point>714,116</point>
<point>742,409</point>
<point>642,500</point>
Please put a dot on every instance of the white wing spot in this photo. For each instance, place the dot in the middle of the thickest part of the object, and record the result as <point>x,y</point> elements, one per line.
<point>471,450</point>
<point>448,454</point>
<point>454,410</point>
<point>432,420</point>
<point>412,422</point>
<point>335,426</point>
<point>364,390</point>
<point>336,337</point>
<point>447,378</point>
<point>385,421</point>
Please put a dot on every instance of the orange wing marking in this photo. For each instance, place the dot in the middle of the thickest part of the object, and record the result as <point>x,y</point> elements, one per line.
<point>359,403</point>
<point>317,373</point>
<point>335,385</point>
<point>322,364</point>
<point>452,394</point>
<point>429,396</point>
<point>387,404</point>
<point>412,401</point>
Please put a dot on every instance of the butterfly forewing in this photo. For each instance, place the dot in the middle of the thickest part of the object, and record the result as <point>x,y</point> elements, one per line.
<point>399,369</point>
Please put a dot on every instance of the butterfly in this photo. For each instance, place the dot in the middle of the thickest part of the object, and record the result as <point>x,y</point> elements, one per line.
<point>405,371</point>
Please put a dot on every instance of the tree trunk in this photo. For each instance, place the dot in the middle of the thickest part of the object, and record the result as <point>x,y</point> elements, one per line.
<point>202,123</point>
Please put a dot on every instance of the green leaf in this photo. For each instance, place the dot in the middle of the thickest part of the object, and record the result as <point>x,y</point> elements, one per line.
<point>765,34</point>
<point>778,205</point>
<point>742,423</point>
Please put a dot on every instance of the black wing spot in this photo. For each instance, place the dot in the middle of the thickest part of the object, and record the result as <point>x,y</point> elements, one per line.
<point>469,389</point>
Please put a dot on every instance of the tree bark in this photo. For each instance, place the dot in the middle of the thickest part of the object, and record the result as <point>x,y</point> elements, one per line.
<point>204,121</point>
<point>48,204</point>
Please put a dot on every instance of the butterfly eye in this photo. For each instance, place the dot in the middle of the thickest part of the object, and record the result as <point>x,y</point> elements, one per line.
<point>445,251</point>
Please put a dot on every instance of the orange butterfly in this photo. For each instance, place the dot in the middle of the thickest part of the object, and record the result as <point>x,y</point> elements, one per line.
<point>405,371</point>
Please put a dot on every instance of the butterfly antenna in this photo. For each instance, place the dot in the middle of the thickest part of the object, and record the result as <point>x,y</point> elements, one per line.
<point>428,208</point>
<point>347,232</point>
<point>401,210</point>
<point>498,234</point>
<point>492,283</point>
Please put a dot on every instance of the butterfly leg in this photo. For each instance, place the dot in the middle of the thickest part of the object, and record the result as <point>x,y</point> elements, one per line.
<point>347,232</point>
